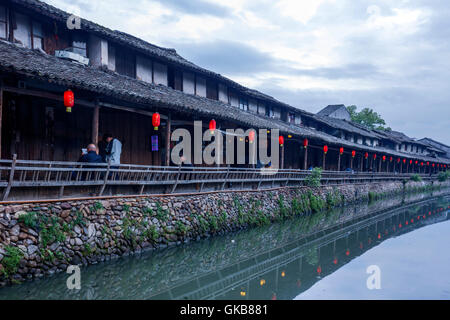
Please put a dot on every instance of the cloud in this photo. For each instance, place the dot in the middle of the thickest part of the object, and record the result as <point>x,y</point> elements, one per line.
<point>196,7</point>
<point>392,56</point>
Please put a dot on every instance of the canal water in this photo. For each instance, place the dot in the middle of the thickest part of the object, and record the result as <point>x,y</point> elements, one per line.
<point>403,243</point>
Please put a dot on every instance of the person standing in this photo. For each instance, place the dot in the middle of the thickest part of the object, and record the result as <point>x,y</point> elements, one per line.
<point>113,149</point>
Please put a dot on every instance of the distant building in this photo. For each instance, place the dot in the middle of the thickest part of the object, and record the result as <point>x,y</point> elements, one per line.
<point>338,111</point>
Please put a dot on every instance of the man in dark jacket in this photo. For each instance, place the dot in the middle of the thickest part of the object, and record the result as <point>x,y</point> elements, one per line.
<point>91,156</point>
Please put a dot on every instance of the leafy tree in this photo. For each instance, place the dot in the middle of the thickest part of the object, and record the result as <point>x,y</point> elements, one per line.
<point>367,117</point>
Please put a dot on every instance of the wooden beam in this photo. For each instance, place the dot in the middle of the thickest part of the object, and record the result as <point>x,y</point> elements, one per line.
<point>46,95</point>
<point>168,133</point>
<point>1,113</point>
<point>143,112</point>
<point>95,120</point>
<point>305,163</point>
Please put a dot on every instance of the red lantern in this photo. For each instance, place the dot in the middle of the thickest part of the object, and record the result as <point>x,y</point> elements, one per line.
<point>281,140</point>
<point>212,126</point>
<point>347,253</point>
<point>384,158</point>
<point>366,155</point>
<point>305,143</point>
<point>390,159</point>
<point>325,149</point>
<point>410,162</point>
<point>353,153</point>
<point>432,165</point>
<point>319,270</point>
<point>417,162</point>
<point>341,151</point>
<point>251,136</point>
<point>398,160</point>
<point>335,261</point>
<point>374,156</point>
<point>404,160</point>
<point>421,164</point>
<point>156,120</point>
<point>69,100</point>
<point>428,163</point>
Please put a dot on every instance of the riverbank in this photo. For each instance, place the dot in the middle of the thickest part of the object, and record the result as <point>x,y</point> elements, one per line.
<point>38,239</point>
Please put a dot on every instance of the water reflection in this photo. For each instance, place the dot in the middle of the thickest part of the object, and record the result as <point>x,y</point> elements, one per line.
<point>275,262</point>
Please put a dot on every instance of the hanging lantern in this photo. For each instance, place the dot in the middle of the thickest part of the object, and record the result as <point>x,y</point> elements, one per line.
<point>390,159</point>
<point>421,164</point>
<point>319,270</point>
<point>335,261</point>
<point>417,162</point>
<point>69,100</point>
<point>410,162</point>
<point>347,253</point>
<point>353,153</point>
<point>156,120</point>
<point>432,165</point>
<point>384,158</point>
<point>325,149</point>
<point>374,156</point>
<point>212,126</point>
<point>366,155</point>
<point>281,140</point>
<point>251,136</point>
<point>289,136</point>
<point>305,143</point>
<point>341,151</point>
<point>428,163</point>
<point>404,160</point>
<point>398,160</point>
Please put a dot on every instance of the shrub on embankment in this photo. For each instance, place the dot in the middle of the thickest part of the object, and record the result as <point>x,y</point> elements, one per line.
<point>44,238</point>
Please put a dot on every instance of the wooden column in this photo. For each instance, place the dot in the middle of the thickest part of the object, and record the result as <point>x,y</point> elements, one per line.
<point>324,155</point>
<point>1,113</point>
<point>362,163</point>
<point>339,162</point>
<point>282,158</point>
<point>305,163</point>
<point>351,163</point>
<point>379,165</point>
<point>168,133</point>
<point>95,119</point>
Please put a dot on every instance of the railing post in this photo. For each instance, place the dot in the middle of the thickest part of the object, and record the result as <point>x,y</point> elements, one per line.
<point>176,182</point>
<point>11,178</point>
<point>106,179</point>
<point>226,177</point>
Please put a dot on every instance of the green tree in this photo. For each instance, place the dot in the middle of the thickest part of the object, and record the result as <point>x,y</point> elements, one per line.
<point>367,117</point>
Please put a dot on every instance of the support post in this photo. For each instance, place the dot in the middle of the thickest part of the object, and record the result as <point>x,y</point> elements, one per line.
<point>1,113</point>
<point>379,165</point>
<point>339,162</point>
<point>282,157</point>
<point>351,163</point>
<point>10,179</point>
<point>305,163</point>
<point>323,161</point>
<point>95,118</point>
<point>168,132</point>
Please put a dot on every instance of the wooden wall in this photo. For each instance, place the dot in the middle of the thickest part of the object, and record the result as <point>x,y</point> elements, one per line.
<point>38,129</point>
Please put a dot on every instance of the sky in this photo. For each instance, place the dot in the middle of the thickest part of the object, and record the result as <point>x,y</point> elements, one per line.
<point>389,55</point>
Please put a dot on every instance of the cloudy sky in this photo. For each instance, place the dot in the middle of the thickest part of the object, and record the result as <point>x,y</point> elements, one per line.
<point>389,55</point>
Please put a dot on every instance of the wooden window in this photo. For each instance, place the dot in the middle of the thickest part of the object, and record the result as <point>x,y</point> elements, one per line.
<point>38,35</point>
<point>3,23</point>
<point>175,79</point>
<point>269,111</point>
<point>291,117</point>
<point>79,44</point>
<point>125,62</point>
<point>22,31</point>
<point>212,91</point>
<point>243,104</point>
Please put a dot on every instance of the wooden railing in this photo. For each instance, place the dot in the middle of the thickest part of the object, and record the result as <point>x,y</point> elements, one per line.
<point>16,174</point>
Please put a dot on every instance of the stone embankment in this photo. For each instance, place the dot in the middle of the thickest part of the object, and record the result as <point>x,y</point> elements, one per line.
<point>38,239</point>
